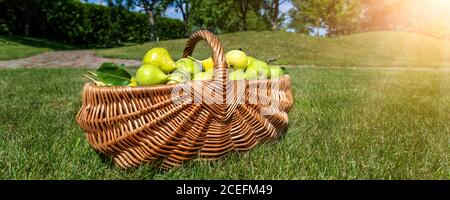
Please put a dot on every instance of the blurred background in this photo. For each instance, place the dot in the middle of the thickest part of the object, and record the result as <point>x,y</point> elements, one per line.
<point>106,22</point>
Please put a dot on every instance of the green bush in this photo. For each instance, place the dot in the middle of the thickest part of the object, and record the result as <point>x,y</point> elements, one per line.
<point>168,28</point>
<point>74,22</point>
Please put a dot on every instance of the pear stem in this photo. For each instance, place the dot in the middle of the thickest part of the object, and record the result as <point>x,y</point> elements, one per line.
<point>272,60</point>
<point>92,73</point>
<point>194,59</point>
<point>98,83</point>
<point>172,75</point>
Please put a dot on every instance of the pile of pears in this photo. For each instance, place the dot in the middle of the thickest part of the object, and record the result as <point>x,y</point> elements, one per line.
<point>159,68</point>
<point>249,68</point>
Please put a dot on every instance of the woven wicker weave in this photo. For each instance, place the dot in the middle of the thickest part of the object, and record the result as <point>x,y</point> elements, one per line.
<point>135,125</point>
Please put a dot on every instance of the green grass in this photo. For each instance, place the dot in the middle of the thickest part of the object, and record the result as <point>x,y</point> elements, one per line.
<point>13,47</point>
<point>345,124</point>
<point>374,49</point>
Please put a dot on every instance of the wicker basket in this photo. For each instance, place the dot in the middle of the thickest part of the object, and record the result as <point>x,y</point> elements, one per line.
<point>135,125</point>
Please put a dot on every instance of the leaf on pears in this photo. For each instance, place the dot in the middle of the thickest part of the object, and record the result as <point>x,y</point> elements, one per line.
<point>285,70</point>
<point>113,74</point>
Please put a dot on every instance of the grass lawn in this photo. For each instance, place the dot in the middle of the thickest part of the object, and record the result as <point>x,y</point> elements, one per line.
<point>345,124</point>
<point>13,47</point>
<point>374,49</point>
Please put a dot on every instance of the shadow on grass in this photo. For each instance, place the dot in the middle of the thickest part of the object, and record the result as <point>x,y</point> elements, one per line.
<point>283,134</point>
<point>53,44</point>
<point>154,165</point>
<point>105,159</point>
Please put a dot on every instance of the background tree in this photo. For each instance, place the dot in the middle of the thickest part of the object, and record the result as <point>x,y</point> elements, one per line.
<point>243,8</point>
<point>271,11</point>
<point>377,13</point>
<point>335,16</point>
<point>186,8</point>
<point>308,15</point>
<point>225,16</point>
<point>127,4</point>
<point>343,17</point>
<point>152,8</point>
<point>215,15</point>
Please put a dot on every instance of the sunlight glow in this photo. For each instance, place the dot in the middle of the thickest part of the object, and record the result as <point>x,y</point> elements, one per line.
<point>431,16</point>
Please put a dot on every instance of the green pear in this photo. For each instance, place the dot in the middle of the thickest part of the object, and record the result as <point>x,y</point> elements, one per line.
<point>172,82</point>
<point>160,58</point>
<point>154,55</point>
<point>237,75</point>
<point>202,76</point>
<point>179,76</point>
<point>159,50</point>
<point>187,65</point>
<point>236,59</point>
<point>199,68</point>
<point>167,65</point>
<point>250,60</point>
<point>251,74</point>
<point>261,69</point>
<point>133,82</point>
<point>182,72</point>
<point>275,71</point>
<point>208,64</point>
<point>150,75</point>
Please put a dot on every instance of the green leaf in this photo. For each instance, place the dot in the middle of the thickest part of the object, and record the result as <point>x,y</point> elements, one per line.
<point>113,75</point>
<point>285,71</point>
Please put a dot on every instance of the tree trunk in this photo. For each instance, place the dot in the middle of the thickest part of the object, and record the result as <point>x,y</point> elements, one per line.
<point>244,22</point>
<point>186,27</point>
<point>276,6</point>
<point>27,24</point>
<point>152,24</point>
<point>151,19</point>
<point>185,12</point>
<point>244,9</point>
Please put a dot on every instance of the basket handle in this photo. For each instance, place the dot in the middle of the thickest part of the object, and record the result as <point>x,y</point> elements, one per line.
<point>221,111</point>
<point>218,57</point>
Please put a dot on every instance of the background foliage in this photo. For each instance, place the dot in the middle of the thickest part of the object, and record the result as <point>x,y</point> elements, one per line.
<point>79,23</point>
<point>117,21</point>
